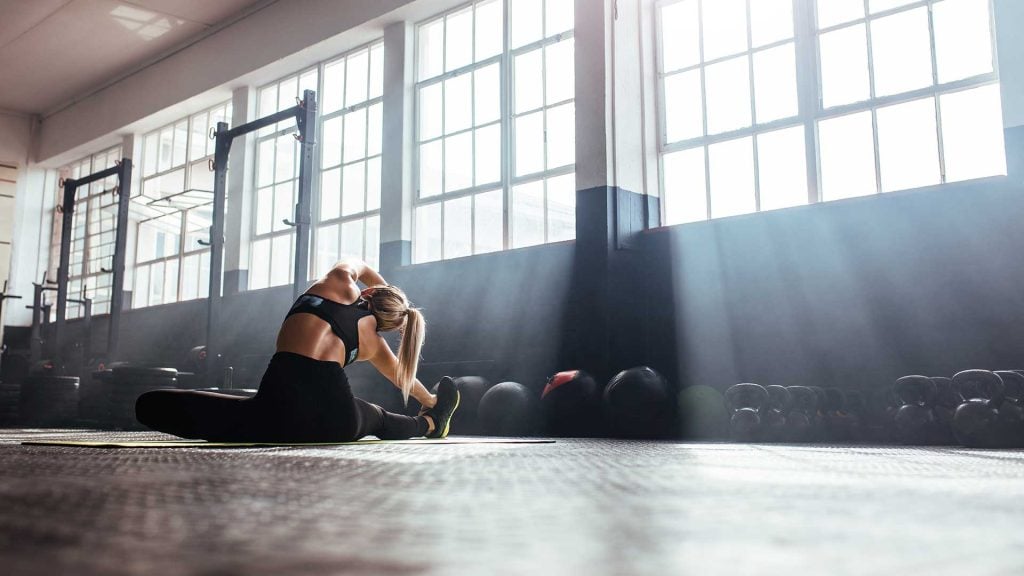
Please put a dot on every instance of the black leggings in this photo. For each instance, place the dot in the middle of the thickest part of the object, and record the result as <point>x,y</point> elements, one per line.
<point>299,400</point>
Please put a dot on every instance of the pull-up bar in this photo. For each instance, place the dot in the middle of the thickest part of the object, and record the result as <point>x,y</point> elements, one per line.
<point>304,113</point>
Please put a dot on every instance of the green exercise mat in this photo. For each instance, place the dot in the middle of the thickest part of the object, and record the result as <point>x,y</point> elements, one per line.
<point>205,444</point>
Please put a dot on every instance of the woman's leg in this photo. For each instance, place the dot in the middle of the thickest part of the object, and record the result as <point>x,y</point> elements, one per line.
<point>375,421</point>
<point>193,414</point>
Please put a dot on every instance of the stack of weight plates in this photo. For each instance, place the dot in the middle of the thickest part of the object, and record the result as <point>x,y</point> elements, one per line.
<point>93,394</point>
<point>49,401</point>
<point>240,392</point>
<point>9,404</point>
<point>126,384</point>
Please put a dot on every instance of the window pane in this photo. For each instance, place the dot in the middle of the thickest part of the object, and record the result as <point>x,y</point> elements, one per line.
<point>180,143</point>
<point>265,161</point>
<point>901,50</point>
<point>326,249</point>
<point>330,194</point>
<point>562,208</point>
<point>199,136</point>
<point>331,139</point>
<point>284,205</point>
<point>775,83</point>
<point>684,112</point>
<point>372,248</point>
<point>171,281</point>
<point>559,17</point>
<point>847,156</point>
<point>267,105</point>
<point>559,73</point>
<point>529,143</point>
<point>487,93</point>
<point>165,185</point>
<point>355,135</point>
<point>832,12</point>
<point>876,6</point>
<point>908,147</point>
<point>489,225</point>
<point>685,190</point>
<point>141,296</point>
<point>200,177</point>
<point>166,149</point>
<point>151,147</point>
<point>680,35</point>
<point>356,77</point>
<point>458,228</point>
<point>334,86</point>
<point>430,112</point>
<point>782,168</point>
<point>488,154</point>
<point>844,66</point>
<point>204,274</point>
<point>488,29</point>
<point>281,260</point>
<point>156,284</point>
<point>264,210</point>
<point>963,41</point>
<point>529,93</point>
<point>284,164</point>
<point>770,21</point>
<point>373,175</point>
<point>528,214</point>
<point>526,19</point>
<point>259,265</point>
<point>728,95</point>
<point>375,124</point>
<point>287,92</point>
<point>561,135</point>
<point>458,166</point>
<point>972,133</point>
<point>197,222</point>
<point>352,238</point>
<point>731,170</point>
<point>353,188</point>
<point>459,39</point>
<point>308,81</point>
<point>430,49</point>
<point>376,71</point>
<point>427,247</point>
<point>430,169</point>
<point>458,103</point>
<point>725,28</point>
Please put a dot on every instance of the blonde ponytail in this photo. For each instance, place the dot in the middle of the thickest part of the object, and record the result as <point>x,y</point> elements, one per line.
<point>409,351</point>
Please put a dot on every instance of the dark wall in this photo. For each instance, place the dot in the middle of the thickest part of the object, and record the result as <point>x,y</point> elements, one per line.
<point>850,293</point>
<point>496,315</point>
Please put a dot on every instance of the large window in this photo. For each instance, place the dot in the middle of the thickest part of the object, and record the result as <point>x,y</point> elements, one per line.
<point>348,211</point>
<point>766,104</point>
<point>495,130</point>
<point>92,234</point>
<point>174,210</point>
<point>272,255</point>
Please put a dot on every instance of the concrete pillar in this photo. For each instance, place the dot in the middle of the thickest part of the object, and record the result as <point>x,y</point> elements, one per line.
<point>1009,18</point>
<point>397,190</point>
<point>131,147</point>
<point>241,194</point>
<point>611,206</point>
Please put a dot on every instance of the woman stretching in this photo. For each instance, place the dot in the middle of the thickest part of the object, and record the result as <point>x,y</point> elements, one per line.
<point>305,395</point>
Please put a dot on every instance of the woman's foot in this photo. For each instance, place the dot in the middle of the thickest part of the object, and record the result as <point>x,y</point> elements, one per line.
<point>441,413</point>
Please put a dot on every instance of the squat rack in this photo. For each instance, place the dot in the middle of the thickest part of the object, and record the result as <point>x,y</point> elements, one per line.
<point>123,170</point>
<point>304,113</point>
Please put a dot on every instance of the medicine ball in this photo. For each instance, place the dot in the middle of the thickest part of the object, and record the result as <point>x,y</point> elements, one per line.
<point>639,404</point>
<point>568,404</point>
<point>508,409</point>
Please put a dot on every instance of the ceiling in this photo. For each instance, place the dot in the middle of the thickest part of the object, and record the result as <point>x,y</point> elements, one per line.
<point>54,52</point>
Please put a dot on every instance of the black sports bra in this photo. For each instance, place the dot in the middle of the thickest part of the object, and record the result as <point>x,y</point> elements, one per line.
<point>343,318</point>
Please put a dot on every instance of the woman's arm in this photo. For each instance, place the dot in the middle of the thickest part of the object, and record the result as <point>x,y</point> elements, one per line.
<point>358,270</point>
<point>386,363</point>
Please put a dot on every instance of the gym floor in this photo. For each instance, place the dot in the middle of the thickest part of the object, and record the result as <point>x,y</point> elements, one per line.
<point>574,507</point>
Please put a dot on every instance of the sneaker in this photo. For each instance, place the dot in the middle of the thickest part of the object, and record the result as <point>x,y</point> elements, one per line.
<point>441,413</point>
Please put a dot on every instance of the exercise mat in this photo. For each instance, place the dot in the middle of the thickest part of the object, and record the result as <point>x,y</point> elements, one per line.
<point>205,444</point>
